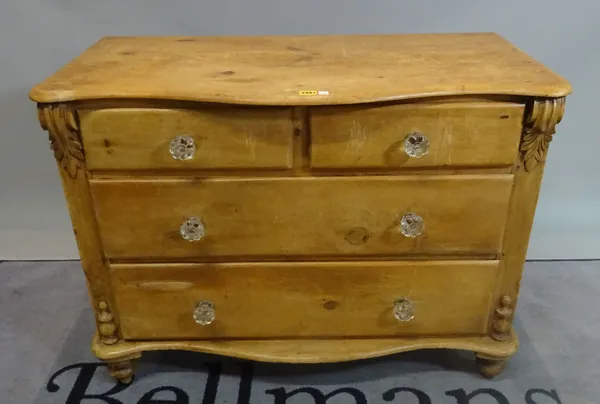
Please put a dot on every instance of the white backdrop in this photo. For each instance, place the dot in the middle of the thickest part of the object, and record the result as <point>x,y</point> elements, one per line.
<point>39,36</point>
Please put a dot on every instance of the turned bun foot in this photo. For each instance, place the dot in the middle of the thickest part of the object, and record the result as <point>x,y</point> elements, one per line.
<point>121,370</point>
<point>489,366</point>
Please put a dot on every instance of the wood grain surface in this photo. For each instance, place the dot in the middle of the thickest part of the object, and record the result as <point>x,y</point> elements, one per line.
<point>260,300</point>
<point>347,69</point>
<point>459,134</point>
<point>225,138</point>
<point>62,125</point>
<point>301,183</point>
<point>254,217</point>
<point>311,350</point>
<point>541,120</point>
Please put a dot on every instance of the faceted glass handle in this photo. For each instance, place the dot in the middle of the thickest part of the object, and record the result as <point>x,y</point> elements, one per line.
<point>204,313</point>
<point>416,145</point>
<point>182,147</point>
<point>403,310</point>
<point>192,229</point>
<point>411,225</point>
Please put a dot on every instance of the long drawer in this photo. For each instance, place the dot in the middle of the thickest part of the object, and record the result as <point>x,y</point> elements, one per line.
<point>258,217</point>
<point>262,300</point>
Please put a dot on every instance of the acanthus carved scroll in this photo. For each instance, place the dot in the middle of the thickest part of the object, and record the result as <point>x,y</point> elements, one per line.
<point>106,324</point>
<point>501,324</point>
<point>62,124</point>
<point>539,126</point>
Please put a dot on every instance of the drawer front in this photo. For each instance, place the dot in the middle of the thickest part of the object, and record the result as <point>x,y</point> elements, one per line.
<point>262,300</point>
<point>327,216</point>
<point>141,138</point>
<point>452,135</point>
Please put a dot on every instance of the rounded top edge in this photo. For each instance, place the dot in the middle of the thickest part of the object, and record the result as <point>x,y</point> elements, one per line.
<point>45,97</point>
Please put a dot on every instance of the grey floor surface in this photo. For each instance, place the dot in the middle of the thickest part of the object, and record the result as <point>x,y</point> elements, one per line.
<point>46,325</point>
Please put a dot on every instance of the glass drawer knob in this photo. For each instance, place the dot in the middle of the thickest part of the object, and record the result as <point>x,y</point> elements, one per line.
<point>204,313</point>
<point>411,225</point>
<point>416,145</point>
<point>403,310</point>
<point>192,229</point>
<point>182,147</point>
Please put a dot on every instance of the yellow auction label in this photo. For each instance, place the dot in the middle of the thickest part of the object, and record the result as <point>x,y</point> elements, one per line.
<point>313,92</point>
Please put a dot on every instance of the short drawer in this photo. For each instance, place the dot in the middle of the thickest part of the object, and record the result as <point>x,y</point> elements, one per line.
<point>207,138</point>
<point>264,300</point>
<point>473,134</point>
<point>251,218</point>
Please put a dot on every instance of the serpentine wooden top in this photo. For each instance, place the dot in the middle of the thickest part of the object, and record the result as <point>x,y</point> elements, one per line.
<point>290,70</point>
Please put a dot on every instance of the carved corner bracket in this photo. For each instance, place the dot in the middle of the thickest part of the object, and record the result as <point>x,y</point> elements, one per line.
<point>540,122</point>
<point>501,325</point>
<point>62,123</point>
<point>106,324</point>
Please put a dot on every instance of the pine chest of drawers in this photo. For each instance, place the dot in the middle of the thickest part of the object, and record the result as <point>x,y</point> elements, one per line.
<point>302,199</point>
